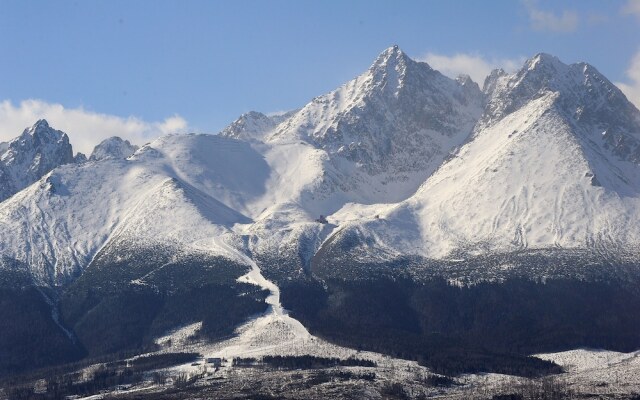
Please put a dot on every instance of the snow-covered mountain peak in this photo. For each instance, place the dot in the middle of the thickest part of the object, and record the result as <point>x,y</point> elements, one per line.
<point>586,98</point>
<point>80,158</point>
<point>255,125</point>
<point>41,134</point>
<point>398,117</point>
<point>544,61</point>
<point>250,125</point>
<point>545,72</point>
<point>40,126</point>
<point>41,123</point>
<point>113,147</point>
<point>464,79</point>
<point>389,54</point>
<point>492,81</point>
<point>393,70</point>
<point>392,59</point>
<point>25,159</point>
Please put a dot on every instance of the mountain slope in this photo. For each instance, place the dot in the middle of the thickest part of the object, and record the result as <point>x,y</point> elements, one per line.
<point>552,164</point>
<point>58,224</point>
<point>373,140</point>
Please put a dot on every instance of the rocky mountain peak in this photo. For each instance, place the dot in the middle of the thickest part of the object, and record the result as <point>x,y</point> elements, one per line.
<point>544,62</point>
<point>393,57</point>
<point>583,95</point>
<point>80,158</point>
<point>34,153</point>
<point>250,125</point>
<point>40,125</point>
<point>464,80</point>
<point>41,133</point>
<point>491,81</point>
<point>399,117</point>
<point>392,71</point>
<point>113,147</point>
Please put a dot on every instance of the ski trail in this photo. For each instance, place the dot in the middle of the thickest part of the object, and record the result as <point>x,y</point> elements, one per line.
<point>271,330</point>
<point>255,277</point>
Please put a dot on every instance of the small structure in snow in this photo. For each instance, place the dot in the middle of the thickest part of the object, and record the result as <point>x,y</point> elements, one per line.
<point>215,361</point>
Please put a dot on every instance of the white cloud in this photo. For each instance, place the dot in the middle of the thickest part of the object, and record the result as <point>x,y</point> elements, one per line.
<point>85,128</point>
<point>546,21</point>
<point>632,7</point>
<point>632,88</point>
<point>474,65</point>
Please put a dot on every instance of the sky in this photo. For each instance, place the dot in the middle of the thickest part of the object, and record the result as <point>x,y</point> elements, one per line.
<point>139,69</point>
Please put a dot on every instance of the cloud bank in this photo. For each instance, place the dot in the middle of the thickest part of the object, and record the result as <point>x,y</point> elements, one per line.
<point>85,128</point>
<point>474,65</point>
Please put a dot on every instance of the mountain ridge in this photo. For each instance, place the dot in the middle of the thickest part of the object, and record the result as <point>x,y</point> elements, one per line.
<point>562,145</point>
<point>404,212</point>
<point>372,157</point>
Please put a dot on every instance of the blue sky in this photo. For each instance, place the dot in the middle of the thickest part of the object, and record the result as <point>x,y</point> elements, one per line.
<point>141,68</point>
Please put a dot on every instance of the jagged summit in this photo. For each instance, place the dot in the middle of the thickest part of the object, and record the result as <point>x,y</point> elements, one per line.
<point>80,158</point>
<point>393,70</point>
<point>392,58</point>
<point>464,79</point>
<point>491,81</point>
<point>546,72</point>
<point>42,132</point>
<point>544,60</point>
<point>397,120</point>
<point>584,94</point>
<point>25,159</point>
<point>390,53</point>
<point>113,147</point>
<point>250,125</point>
<point>40,124</point>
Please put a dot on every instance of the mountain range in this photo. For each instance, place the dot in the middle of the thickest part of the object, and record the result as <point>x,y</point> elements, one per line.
<point>400,175</point>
